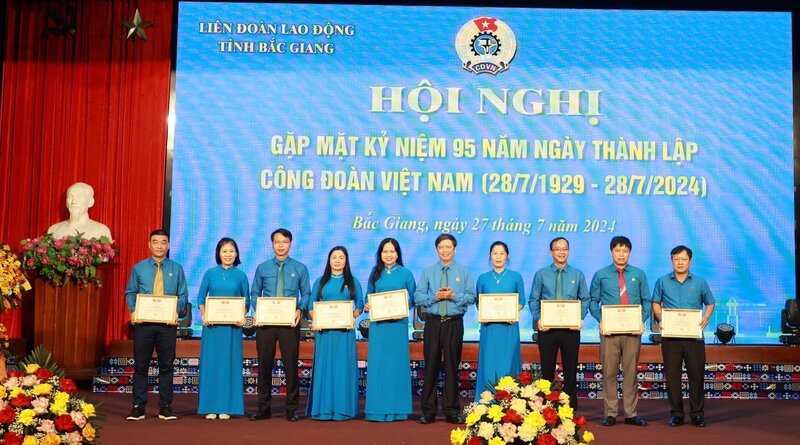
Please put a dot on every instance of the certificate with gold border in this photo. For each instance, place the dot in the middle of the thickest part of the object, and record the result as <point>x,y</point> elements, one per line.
<point>333,315</point>
<point>498,308</point>
<point>561,314</point>
<point>392,305</point>
<point>622,318</point>
<point>681,323</point>
<point>275,311</point>
<point>156,309</point>
<point>224,310</point>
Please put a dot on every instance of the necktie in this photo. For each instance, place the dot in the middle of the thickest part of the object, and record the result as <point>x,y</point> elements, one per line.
<point>623,289</point>
<point>443,283</point>
<point>158,282</point>
<point>560,284</point>
<point>279,285</point>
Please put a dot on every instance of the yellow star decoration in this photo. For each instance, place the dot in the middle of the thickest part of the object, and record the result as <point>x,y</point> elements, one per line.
<point>137,26</point>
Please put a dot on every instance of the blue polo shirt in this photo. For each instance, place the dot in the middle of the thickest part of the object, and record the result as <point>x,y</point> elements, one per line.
<point>693,293</point>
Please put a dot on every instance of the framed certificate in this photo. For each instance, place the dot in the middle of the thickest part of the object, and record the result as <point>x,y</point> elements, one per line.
<point>498,308</point>
<point>561,314</point>
<point>156,309</point>
<point>622,318</point>
<point>392,305</point>
<point>275,311</point>
<point>681,323</point>
<point>224,310</point>
<point>333,315</point>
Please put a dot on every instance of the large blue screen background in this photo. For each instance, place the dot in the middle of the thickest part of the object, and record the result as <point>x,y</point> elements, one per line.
<point>717,84</point>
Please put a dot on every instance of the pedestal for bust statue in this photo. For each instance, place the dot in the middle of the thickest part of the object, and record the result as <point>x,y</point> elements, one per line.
<point>71,322</point>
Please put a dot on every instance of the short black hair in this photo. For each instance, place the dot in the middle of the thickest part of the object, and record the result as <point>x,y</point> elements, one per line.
<point>557,239</point>
<point>445,236</point>
<point>678,249</point>
<point>282,231</point>
<point>621,241</point>
<point>161,232</point>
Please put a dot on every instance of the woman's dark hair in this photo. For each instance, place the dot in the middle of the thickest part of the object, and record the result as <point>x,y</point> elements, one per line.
<point>224,241</point>
<point>379,265</point>
<point>348,281</point>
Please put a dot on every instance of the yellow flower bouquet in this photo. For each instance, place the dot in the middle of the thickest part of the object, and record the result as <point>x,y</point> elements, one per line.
<point>522,410</point>
<point>39,406</point>
<point>12,279</point>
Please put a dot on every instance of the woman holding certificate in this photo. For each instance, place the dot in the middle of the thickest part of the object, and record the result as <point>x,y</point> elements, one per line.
<point>221,347</point>
<point>499,350</point>
<point>334,382</point>
<point>389,373</point>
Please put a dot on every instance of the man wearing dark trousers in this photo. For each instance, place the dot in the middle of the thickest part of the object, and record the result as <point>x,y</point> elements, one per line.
<point>559,281</point>
<point>280,276</point>
<point>157,275</point>
<point>445,290</point>
<point>681,289</point>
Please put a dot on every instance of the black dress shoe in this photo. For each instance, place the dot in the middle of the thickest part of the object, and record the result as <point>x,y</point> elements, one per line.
<point>635,420</point>
<point>261,415</point>
<point>609,421</point>
<point>292,416</point>
<point>426,420</point>
<point>699,421</point>
<point>454,419</point>
<point>675,421</point>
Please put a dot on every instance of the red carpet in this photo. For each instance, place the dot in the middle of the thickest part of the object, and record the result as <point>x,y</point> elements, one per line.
<point>730,421</point>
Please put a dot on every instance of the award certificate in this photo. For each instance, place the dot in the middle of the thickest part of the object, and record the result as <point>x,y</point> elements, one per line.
<point>156,309</point>
<point>494,308</point>
<point>561,314</point>
<point>681,323</point>
<point>333,315</point>
<point>275,311</point>
<point>224,310</point>
<point>392,305</point>
<point>622,318</point>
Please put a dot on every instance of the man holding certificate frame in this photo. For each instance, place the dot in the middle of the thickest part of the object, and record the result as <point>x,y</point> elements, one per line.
<point>445,289</point>
<point>559,281</point>
<point>620,284</point>
<point>155,276</point>
<point>280,276</point>
<point>681,289</point>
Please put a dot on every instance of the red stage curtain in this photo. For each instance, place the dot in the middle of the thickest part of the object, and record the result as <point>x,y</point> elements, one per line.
<point>88,107</point>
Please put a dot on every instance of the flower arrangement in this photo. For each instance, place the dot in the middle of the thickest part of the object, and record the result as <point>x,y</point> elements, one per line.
<point>12,280</point>
<point>71,258</point>
<point>39,406</point>
<point>522,410</point>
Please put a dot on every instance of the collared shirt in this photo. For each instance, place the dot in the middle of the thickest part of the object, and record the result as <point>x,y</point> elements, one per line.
<point>459,279</point>
<point>693,293</point>
<point>295,281</point>
<point>544,288</point>
<point>143,274</point>
<point>605,290</point>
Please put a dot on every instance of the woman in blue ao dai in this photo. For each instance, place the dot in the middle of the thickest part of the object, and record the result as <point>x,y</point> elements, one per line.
<point>334,382</point>
<point>388,361</point>
<point>499,350</point>
<point>221,382</point>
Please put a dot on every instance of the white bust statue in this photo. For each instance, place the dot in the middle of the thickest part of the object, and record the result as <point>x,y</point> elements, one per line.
<point>80,196</point>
